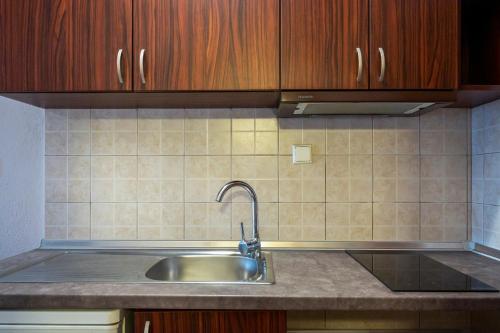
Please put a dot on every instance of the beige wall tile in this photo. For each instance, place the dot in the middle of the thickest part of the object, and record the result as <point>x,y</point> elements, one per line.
<point>384,135</point>
<point>361,135</point>
<point>172,143</point>
<point>265,120</point>
<point>348,221</point>
<point>56,232</point>
<point>337,135</point>
<point>79,221</point>
<point>384,190</point>
<point>195,143</point>
<point>79,120</point>
<point>56,190</point>
<point>56,120</point>
<point>153,174</point>
<point>243,120</point>
<point>125,143</point>
<point>290,133</point>
<point>56,214</point>
<point>266,143</point>
<point>79,143</point>
<point>219,143</point>
<point>56,143</point>
<point>79,190</point>
<point>149,220</point>
<point>243,143</point>
<point>149,143</point>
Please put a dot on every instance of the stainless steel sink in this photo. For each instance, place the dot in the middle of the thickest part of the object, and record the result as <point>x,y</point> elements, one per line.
<point>211,269</point>
<point>148,266</point>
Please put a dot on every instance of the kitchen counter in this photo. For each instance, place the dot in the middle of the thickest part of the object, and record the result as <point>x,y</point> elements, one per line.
<point>305,280</point>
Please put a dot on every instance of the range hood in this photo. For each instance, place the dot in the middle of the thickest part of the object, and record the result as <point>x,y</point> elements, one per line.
<point>392,103</point>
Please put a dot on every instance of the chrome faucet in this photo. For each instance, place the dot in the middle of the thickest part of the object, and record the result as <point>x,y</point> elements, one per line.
<point>252,247</point>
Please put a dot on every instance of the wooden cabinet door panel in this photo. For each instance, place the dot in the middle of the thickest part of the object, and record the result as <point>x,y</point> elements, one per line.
<point>420,41</point>
<point>253,321</point>
<point>178,322</point>
<point>211,321</point>
<point>207,44</point>
<point>319,39</point>
<point>64,45</point>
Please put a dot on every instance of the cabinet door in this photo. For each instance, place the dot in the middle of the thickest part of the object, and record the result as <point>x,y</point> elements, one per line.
<point>210,321</point>
<point>206,44</point>
<point>320,41</point>
<point>177,322</point>
<point>64,45</point>
<point>253,321</point>
<point>419,41</point>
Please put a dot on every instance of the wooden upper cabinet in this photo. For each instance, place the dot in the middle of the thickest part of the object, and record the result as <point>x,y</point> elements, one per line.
<point>419,39</point>
<point>320,41</point>
<point>65,45</point>
<point>206,45</point>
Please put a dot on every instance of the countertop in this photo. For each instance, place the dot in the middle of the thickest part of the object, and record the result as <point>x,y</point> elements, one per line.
<point>305,280</point>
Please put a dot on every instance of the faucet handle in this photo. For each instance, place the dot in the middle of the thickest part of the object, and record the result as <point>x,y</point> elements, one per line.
<point>242,228</point>
<point>243,245</point>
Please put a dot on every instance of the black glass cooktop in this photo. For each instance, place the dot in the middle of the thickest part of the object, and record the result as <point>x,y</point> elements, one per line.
<point>414,271</point>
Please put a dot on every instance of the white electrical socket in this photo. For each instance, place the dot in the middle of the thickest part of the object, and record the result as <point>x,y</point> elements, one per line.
<point>301,154</point>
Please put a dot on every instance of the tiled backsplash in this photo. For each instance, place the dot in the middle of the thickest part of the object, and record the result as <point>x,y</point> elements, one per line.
<point>486,174</point>
<point>154,174</point>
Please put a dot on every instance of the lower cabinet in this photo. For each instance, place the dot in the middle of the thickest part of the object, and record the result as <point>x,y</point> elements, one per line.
<point>210,321</point>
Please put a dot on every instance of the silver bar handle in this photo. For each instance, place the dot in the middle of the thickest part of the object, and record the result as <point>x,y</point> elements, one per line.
<point>360,65</point>
<point>141,66</point>
<point>119,65</point>
<point>147,324</point>
<point>382,64</point>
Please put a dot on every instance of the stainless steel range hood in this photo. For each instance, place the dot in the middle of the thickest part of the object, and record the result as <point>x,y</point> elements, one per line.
<point>392,103</point>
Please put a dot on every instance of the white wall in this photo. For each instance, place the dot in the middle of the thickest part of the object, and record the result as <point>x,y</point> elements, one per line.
<point>21,177</point>
<point>486,174</point>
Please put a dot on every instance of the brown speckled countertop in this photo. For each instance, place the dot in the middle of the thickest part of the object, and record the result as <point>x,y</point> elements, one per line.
<point>305,280</point>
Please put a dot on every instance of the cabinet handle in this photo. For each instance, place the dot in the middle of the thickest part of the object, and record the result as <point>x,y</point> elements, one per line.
<point>141,66</point>
<point>146,326</point>
<point>360,64</point>
<point>119,65</point>
<point>382,64</point>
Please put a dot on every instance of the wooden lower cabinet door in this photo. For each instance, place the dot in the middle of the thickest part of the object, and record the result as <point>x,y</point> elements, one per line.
<point>210,321</point>
<point>253,321</point>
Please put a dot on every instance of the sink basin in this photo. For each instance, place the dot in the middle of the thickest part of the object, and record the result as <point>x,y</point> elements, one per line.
<point>211,269</point>
<point>147,266</point>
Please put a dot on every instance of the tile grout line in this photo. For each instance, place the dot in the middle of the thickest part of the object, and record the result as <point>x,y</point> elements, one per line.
<point>373,171</point>
<point>419,178</point>
<point>137,175</point>
<point>67,174</point>
<point>90,173</point>
<point>184,171</point>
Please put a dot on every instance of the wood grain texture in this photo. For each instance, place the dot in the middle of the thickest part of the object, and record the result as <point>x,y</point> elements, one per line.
<point>207,44</point>
<point>319,41</point>
<point>211,321</point>
<point>64,45</point>
<point>253,321</point>
<point>420,40</point>
<point>179,322</point>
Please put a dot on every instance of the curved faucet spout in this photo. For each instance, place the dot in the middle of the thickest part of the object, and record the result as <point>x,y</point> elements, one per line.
<point>253,196</point>
<point>251,247</point>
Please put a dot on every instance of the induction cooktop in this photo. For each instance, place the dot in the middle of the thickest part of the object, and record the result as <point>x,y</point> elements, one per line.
<point>414,271</point>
